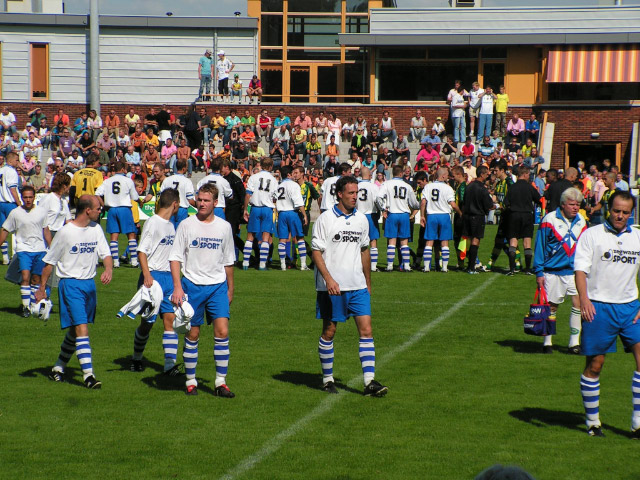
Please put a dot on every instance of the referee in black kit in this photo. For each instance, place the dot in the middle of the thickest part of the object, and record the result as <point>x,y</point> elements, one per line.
<point>520,203</point>
<point>477,205</point>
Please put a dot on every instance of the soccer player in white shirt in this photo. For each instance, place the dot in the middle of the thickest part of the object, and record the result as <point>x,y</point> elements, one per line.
<point>9,195</point>
<point>156,241</point>
<point>118,192</point>
<point>221,183</point>
<point>288,200</point>
<point>438,201</point>
<point>203,250</point>
<point>398,200</point>
<point>367,195</point>
<point>74,252</point>
<point>29,224</point>
<point>261,192</point>
<point>340,250</point>
<point>184,186</point>
<point>328,190</point>
<point>606,267</point>
<point>56,204</point>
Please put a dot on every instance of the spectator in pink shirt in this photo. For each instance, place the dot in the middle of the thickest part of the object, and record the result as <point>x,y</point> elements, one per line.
<point>168,154</point>
<point>426,157</point>
<point>304,121</point>
<point>515,128</point>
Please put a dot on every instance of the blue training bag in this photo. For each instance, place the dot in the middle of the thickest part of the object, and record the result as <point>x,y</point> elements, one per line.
<point>538,322</point>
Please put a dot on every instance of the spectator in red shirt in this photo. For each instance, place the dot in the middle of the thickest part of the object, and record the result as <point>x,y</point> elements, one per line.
<point>61,117</point>
<point>255,89</point>
<point>469,150</point>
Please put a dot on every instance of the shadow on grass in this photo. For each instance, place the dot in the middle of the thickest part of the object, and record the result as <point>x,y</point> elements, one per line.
<point>125,365</point>
<point>543,417</point>
<point>12,310</point>
<point>522,346</point>
<point>165,383</point>
<point>69,375</point>
<point>309,380</point>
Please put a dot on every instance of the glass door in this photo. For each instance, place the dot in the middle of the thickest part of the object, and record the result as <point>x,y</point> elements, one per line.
<point>299,83</point>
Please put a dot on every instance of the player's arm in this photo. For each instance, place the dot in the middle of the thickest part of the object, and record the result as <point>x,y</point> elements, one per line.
<point>365,256</point>
<point>106,276</point>
<point>423,210</point>
<point>178,294</point>
<point>144,266</point>
<point>247,197</point>
<point>45,232</point>
<point>3,235</point>
<point>455,207</point>
<point>332,286</point>
<point>16,196</point>
<point>588,310</point>
<point>41,293</point>
<point>228,270</point>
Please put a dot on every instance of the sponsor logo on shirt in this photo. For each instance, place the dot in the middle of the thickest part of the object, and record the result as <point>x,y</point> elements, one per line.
<point>85,247</point>
<point>620,256</point>
<point>349,236</point>
<point>206,242</point>
<point>168,240</point>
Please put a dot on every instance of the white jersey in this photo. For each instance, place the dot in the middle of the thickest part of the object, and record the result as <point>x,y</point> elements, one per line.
<point>204,249</point>
<point>328,191</point>
<point>262,187</point>
<point>156,242</point>
<point>57,209</point>
<point>224,189</point>
<point>28,226</point>
<point>397,196</point>
<point>8,180</point>
<point>75,251</point>
<point>289,196</point>
<point>183,185</point>
<point>611,262</point>
<point>118,191</point>
<point>438,195</point>
<point>341,239</point>
<point>223,67</point>
<point>474,101</point>
<point>367,194</point>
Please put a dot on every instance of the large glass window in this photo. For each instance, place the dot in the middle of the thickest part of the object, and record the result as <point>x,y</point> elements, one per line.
<point>357,6</point>
<point>271,30</point>
<point>306,54</point>
<point>316,6</point>
<point>594,91</point>
<point>453,53</point>
<point>271,5</point>
<point>357,25</point>
<point>271,54</point>
<point>271,79</point>
<point>328,83</point>
<point>356,81</point>
<point>313,31</point>
<point>400,54</point>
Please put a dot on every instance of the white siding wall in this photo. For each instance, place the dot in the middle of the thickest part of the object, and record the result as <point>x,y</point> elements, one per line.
<point>239,48</point>
<point>67,63</point>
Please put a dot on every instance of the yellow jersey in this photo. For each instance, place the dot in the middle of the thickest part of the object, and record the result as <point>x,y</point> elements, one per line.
<point>86,181</point>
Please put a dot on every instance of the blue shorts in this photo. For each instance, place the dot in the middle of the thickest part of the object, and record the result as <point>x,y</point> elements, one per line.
<point>397,226</point>
<point>182,214</point>
<point>31,261</point>
<point>219,212</point>
<point>289,223</point>
<point>611,320</point>
<point>260,220</point>
<point>374,233</point>
<point>77,302</point>
<point>120,220</point>
<point>5,210</point>
<point>166,283</point>
<point>438,227</point>
<point>212,299</point>
<point>338,308</point>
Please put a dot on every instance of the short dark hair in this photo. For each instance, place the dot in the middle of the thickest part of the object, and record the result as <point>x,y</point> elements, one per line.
<point>522,169</point>
<point>210,188</point>
<point>397,170</point>
<point>344,168</point>
<point>421,175</point>
<point>344,181</point>
<point>181,164</point>
<point>215,164</point>
<point>501,165</point>
<point>286,171</point>
<point>29,188</point>
<point>59,182</point>
<point>85,202</point>
<point>481,170</point>
<point>167,197</point>
<point>622,194</point>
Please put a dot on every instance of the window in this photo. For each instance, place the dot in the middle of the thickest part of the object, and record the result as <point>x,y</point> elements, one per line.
<point>316,6</point>
<point>357,25</point>
<point>313,31</point>
<point>594,91</point>
<point>271,6</point>
<point>356,81</point>
<point>271,78</point>
<point>360,6</point>
<point>271,30</point>
<point>40,71</point>
<point>313,54</point>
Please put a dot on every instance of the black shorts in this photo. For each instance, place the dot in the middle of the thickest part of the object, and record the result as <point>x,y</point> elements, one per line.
<point>305,228</point>
<point>457,228</point>
<point>473,226</point>
<point>520,225</point>
<point>501,233</point>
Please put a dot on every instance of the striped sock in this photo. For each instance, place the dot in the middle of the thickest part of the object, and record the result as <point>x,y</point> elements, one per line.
<point>575,324</point>
<point>374,258</point>
<point>34,289</point>
<point>264,253</point>
<point>83,352</point>
<point>66,351</point>
<point>282,253</point>
<point>139,342</point>
<point>5,249</point>
<point>190,356</point>
<point>170,347</point>
<point>391,255</point>
<point>635,391</point>
<point>590,388</point>
<point>246,253</point>
<point>221,357</point>
<point>445,258</point>
<point>426,257</point>
<point>133,250</point>
<point>302,252</point>
<point>325,352</point>
<point>113,246</point>
<point>405,253</point>
<point>25,295</point>
<point>367,359</point>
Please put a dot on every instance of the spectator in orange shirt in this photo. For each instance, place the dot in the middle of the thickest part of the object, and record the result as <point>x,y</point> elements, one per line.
<point>61,117</point>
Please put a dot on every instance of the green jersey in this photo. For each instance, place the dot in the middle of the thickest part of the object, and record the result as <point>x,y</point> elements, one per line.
<point>309,194</point>
<point>501,190</point>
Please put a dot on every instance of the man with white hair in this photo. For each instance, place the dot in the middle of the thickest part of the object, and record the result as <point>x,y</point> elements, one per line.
<point>554,253</point>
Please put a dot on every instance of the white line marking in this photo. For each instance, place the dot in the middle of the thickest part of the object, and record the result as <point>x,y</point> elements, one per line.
<point>276,442</point>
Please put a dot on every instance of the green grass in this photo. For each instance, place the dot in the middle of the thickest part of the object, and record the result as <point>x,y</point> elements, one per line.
<point>473,391</point>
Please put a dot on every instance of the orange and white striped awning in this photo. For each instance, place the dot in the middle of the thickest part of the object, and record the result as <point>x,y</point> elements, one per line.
<point>594,63</point>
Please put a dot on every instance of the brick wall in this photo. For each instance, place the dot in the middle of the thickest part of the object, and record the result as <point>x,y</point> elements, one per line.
<point>572,124</point>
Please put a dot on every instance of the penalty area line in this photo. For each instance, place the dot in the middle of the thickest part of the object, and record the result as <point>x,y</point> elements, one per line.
<point>273,444</point>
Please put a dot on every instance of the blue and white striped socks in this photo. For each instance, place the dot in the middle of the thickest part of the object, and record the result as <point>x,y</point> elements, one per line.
<point>66,352</point>
<point>445,259</point>
<point>374,259</point>
<point>5,251</point>
<point>325,352</point>
<point>190,356</point>
<point>133,251</point>
<point>246,253</point>
<point>282,253</point>
<point>83,352</point>
<point>426,258</point>
<point>302,252</point>
<point>221,357</point>
<point>170,347</point>
<point>405,253</point>
<point>367,359</point>
<point>25,295</point>
<point>264,254</point>
<point>391,255</point>
<point>34,289</point>
<point>139,342</point>
<point>590,389</point>
<point>635,392</point>
<point>113,246</point>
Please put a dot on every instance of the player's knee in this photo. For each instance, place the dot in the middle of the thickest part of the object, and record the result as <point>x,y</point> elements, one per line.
<point>594,366</point>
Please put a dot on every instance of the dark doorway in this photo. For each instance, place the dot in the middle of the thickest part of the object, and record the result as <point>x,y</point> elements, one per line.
<point>593,153</point>
<point>327,83</point>
<point>299,84</point>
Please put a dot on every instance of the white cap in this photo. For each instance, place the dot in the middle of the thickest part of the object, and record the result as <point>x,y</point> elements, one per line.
<point>220,52</point>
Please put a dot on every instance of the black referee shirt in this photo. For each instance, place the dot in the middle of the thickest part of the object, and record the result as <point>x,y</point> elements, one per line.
<point>521,196</point>
<point>554,192</point>
<point>477,200</point>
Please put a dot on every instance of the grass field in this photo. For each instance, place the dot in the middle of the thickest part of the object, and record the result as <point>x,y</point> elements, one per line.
<point>467,389</point>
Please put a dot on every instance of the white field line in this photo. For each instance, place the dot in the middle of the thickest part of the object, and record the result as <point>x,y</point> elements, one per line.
<point>273,444</point>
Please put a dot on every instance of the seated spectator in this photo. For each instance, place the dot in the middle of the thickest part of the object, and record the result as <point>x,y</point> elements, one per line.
<point>94,124</point>
<point>230,122</point>
<point>359,143</point>
<point>281,135</point>
<point>439,127</point>
<point>401,147</point>
<point>151,120</point>
<point>75,162</point>
<point>361,123</point>
<point>150,158</point>
<point>61,117</point>
<point>247,136</point>
<point>348,129</point>
<point>168,154</point>
<point>335,126</point>
<point>138,140</point>
<point>500,151</point>
<point>331,148</point>
<point>433,139</point>
<point>513,148</point>
<point>234,137</point>
<point>291,157</point>
<point>282,119</point>
<point>380,179</point>
<point>469,169</point>
<point>533,161</point>
<point>36,117</point>
<point>255,153</point>
<point>527,147</point>
<point>468,150</point>
<point>122,139</point>
<point>184,153</point>
<point>56,133</point>
<point>217,125</point>
<point>448,150</point>
<point>236,89</point>
<point>369,162</point>
<point>85,143</point>
<point>5,146</point>
<point>263,128</point>
<point>112,123</point>
<point>81,124</point>
<point>8,120</point>
<point>38,179</point>
<point>132,157</point>
<point>485,149</point>
<point>304,121</point>
<point>373,141</point>
<point>44,133</point>
<point>515,128</point>
<point>28,163</point>
<point>240,154</point>
<point>132,120</point>
<point>495,138</point>
<point>33,145</point>
<point>313,156</point>
<point>320,127</point>
<point>205,124</point>
<point>387,127</point>
<point>278,149</point>
<point>384,162</point>
<point>106,146</point>
<point>152,140</point>
<point>197,157</point>
<point>300,141</point>
<point>331,167</point>
<point>255,89</point>
<point>532,129</point>
<point>418,127</point>
<point>427,156</point>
